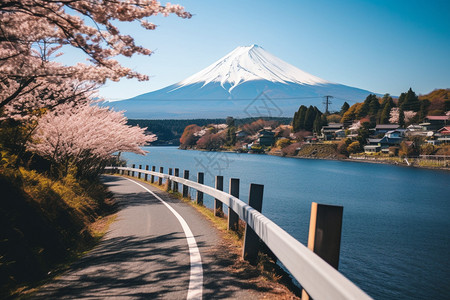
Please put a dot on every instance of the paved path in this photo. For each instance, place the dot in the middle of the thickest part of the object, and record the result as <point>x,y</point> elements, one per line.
<point>149,253</point>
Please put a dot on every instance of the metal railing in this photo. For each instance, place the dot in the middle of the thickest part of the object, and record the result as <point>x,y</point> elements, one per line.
<point>316,276</point>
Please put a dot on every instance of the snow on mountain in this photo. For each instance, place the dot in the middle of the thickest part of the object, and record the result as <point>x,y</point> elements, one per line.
<point>247,64</point>
<point>247,82</point>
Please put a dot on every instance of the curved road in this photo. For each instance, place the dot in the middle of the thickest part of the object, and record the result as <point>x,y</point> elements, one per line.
<point>153,250</point>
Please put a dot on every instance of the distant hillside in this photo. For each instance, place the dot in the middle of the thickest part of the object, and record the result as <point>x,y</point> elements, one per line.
<point>440,100</point>
<point>170,131</point>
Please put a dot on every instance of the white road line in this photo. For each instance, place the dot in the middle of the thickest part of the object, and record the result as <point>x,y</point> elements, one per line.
<point>195,290</point>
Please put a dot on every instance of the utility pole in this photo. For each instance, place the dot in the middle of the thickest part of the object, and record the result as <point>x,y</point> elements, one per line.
<point>327,102</point>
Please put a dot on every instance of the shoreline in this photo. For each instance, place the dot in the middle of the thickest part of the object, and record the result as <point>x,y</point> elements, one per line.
<point>348,159</point>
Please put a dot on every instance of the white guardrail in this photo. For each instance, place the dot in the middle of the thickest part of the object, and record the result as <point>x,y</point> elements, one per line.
<point>317,277</point>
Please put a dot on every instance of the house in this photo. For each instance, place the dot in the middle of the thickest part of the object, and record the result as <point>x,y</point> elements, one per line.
<point>329,131</point>
<point>415,130</point>
<point>266,137</point>
<point>372,148</point>
<point>340,134</point>
<point>444,133</point>
<point>436,122</point>
<point>384,128</point>
<point>391,138</point>
<point>373,142</point>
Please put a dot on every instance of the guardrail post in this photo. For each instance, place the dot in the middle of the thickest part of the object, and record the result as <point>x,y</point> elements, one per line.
<point>161,170</point>
<point>152,177</point>
<point>175,184</point>
<point>218,205</point>
<point>146,175</point>
<point>185,187</point>
<point>251,239</point>
<point>122,172</point>
<point>169,182</point>
<point>139,173</point>
<point>132,172</point>
<point>324,237</point>
<point>128,171</point>
<point>200,179</point>
<point>233,218</point>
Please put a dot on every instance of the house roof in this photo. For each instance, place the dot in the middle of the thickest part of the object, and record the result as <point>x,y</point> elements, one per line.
<point>444,130</point>
<point>371,146</point>
<point>387,126</point>
<point>333,125</point>
<point>438,118</point>
<point>373,141</point>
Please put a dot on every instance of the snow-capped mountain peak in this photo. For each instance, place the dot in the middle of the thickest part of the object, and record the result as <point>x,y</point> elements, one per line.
<point>247,64</point>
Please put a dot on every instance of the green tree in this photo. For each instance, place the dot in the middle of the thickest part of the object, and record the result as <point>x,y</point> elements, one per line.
<point>317,126</point>
<point>230,122</point>
<point>344,108</point>
<point>231,136</point>
<point>401,99</point>
<point>423,112</point>
<point>411,101</point>
<point>385,113</point>
<point>401,117</point>
<point>310,116</point>
<point>299,119</point>
<point>363,133</point>
<point>374,106</point>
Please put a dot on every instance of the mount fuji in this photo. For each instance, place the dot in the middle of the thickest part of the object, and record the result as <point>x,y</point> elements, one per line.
<point>247,82</point>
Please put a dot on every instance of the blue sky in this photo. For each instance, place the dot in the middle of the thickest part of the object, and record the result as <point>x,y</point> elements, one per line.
<point>382,46</point>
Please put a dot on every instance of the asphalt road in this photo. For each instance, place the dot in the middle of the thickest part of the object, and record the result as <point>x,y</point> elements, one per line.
<point>153,251</point>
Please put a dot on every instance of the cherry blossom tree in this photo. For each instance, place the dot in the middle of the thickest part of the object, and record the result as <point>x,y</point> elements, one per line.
<point>33,32</point>
<point>395,114</point>
<point>85,136</point>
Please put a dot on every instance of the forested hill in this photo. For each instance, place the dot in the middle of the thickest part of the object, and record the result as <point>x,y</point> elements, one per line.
<point>170,131</point>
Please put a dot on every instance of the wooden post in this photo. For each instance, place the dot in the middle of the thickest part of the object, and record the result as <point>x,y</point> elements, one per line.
<point>218,205</point>
<point>200,179</point>
<point>175,184</point>
<point>161,170</point>
<point>139,173</point>
<point>185,187</point>
<point>169,182</point>
<point>233,218</point>
<point>146,175</point>
<point>324,238</point>
<point>122,172</point>
<point>128,171</point>
<point>132,172</point>
<point>152,177</point>
<point>251,239</point>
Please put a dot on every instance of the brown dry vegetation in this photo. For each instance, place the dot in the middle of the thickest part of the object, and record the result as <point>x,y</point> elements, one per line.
<point>45,224</point>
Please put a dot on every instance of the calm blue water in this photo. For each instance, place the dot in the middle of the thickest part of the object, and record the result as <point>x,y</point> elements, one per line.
<point>396,227</point>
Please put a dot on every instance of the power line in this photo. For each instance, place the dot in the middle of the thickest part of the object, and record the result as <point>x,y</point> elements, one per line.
<point>327,102</point>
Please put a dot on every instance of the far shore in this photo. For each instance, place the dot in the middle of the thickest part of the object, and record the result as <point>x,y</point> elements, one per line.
<point>348,159</point>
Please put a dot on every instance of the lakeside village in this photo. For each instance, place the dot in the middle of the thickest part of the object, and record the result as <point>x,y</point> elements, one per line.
<point>411,130</point>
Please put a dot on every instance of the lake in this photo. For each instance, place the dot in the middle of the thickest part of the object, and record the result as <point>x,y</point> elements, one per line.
<point>396,226</point>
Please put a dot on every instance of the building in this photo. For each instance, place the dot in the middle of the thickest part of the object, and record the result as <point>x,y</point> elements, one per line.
<point>384,128</point>
<point>444,135</point>
<point>372,148</point>
<point>329,131</point>
<point>266,137</point>
<point>391,138</point>
<point>436,122</point>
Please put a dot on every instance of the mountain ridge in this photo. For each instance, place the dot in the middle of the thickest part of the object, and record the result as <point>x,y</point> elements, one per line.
<point>233,83</point>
